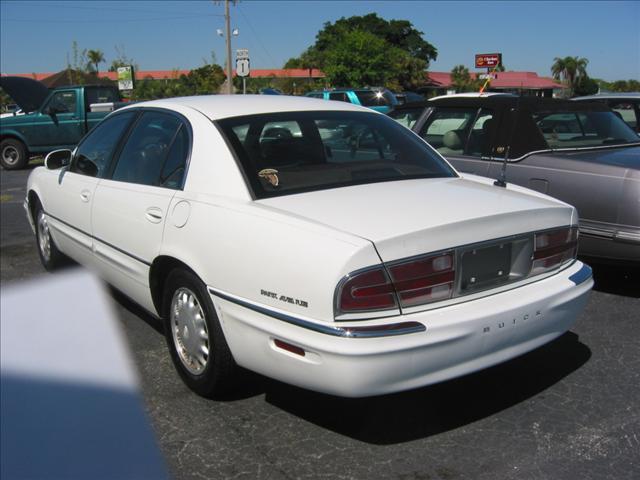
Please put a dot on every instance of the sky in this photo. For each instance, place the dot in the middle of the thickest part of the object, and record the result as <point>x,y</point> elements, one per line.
<point>37,36</point>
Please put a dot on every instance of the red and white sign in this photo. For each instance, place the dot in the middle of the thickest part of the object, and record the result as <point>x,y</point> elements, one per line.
<point>488,60</point>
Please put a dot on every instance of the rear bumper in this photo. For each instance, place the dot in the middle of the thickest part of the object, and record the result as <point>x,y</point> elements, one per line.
<point>456,340</point>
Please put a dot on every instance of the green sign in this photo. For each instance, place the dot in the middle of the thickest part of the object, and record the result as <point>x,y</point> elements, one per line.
<point>125,78</point>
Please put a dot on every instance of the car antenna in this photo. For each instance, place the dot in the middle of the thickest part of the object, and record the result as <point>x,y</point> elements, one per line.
<point>501,181</point>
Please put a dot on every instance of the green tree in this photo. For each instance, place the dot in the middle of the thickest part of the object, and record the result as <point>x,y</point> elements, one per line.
<point>586,86</point>
<point>570,70</point>
<point>95,58</point>
<point>359,59</point>
<point>202,81</point>
<point>402,65</point>
<point>462,81</point>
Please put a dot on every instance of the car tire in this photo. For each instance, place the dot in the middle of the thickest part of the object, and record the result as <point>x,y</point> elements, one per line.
<point>194,336</point>
<point>13,154</point>
<point>50,256</point>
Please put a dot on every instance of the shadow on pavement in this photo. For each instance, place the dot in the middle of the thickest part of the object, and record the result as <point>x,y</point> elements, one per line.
<point>416,414</point>
<point>617,279</point>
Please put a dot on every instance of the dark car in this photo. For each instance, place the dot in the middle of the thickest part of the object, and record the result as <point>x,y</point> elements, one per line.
<point>579,152</point>
<point>408,97</point>
<point>627,105</point>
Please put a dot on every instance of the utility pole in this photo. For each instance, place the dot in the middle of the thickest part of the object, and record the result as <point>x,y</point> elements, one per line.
<point>227,20</point>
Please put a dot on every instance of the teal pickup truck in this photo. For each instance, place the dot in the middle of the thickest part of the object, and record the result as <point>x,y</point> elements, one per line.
<point>50,119</point>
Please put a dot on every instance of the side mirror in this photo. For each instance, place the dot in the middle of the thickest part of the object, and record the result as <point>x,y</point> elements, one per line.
<point>57,159</point>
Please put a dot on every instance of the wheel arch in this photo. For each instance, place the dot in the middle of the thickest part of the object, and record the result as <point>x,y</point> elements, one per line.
<point>33,199</point>
<point>11,135</point>
<point>160,269</point>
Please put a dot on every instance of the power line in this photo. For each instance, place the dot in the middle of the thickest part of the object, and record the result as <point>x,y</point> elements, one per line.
<point>111,9</point>
<point>256,36</point>
<point>114,20</point>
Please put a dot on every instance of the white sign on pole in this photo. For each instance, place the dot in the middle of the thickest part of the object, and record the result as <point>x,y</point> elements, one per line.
<point>125,78</point>
<point>242,67</point>
<point>242,53</point>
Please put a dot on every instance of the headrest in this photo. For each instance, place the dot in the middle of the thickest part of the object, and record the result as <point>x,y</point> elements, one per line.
<point>452,140</point>
<point>487,126</point>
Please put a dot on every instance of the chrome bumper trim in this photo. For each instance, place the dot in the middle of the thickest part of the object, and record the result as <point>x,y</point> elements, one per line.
<point>374,331</point>
<point>582,275</point>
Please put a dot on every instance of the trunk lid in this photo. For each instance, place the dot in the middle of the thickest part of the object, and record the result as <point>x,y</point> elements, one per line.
<point>413,217</point>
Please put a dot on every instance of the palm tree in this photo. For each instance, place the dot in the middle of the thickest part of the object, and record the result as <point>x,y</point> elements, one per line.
<point>570,70</point>
<point>95,57</point>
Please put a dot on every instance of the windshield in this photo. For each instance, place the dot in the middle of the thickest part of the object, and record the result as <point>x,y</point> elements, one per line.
<point>293,152</point>
<point>583,129</point>
<point>406,117</point>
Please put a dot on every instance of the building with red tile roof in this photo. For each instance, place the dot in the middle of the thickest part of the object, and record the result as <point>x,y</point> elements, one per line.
<point>437,81</point>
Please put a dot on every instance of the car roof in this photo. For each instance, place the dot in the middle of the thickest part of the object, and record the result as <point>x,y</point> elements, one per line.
<point>217,107</point>
<point>503,101</point>
<point>612,95</point>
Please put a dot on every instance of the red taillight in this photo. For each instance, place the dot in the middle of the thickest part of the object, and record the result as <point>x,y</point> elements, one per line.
<point>554,248</point>
<point>413,282</point>
<point>424,280</point>
<point>366,291</point>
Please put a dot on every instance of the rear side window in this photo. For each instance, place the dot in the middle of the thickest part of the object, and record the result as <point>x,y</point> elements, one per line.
<point>326,149</point>
<point>339,96</point>
<point>174,167</point>
<point>375,98</point>
<point>99,95</point>
<point>626,111</point>
<point>144,154</point>
<point>583,129</point>
<point>94,153</point>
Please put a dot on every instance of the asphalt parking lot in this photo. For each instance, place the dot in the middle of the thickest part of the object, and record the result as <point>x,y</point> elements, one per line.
<point>565,411</point>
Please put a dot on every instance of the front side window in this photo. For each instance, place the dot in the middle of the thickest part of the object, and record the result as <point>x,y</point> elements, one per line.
<point>406,117</point>
<point>626,111</point>
<point>94,153</point>
<point>63,102</point>
<point>447,129</point>
<point>327,150</point>
<point>583,129</point>
<point>143,155</point>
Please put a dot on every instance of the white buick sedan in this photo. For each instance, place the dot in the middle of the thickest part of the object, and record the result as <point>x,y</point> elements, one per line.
<point>318,243</point>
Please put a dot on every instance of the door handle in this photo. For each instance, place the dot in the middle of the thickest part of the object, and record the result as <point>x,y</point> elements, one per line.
<point>153,214</point>
<point>85,195</point>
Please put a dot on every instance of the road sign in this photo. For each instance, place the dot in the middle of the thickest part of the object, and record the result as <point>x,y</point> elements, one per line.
<point>125,78</point>
<point>242,67</point>
<point>488,60</point>
<point>242,53</point>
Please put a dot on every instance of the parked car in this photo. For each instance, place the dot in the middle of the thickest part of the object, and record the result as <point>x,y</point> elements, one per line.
<point>53,118</point>
<point>379,99</point>
<point>408,97</point>
<point>354,264</point>
<point>627,105</point>
<point>581,153</point>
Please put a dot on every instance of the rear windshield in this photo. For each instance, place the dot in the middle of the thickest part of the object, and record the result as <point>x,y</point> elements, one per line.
<point>293,152</point>
<point>375,98</point>
<point>583,129</point>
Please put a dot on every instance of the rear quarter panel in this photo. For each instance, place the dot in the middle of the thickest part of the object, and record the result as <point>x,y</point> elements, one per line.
<point>247,250</point>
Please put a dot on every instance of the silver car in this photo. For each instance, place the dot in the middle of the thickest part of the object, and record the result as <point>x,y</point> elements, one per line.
<point>579,152</point>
